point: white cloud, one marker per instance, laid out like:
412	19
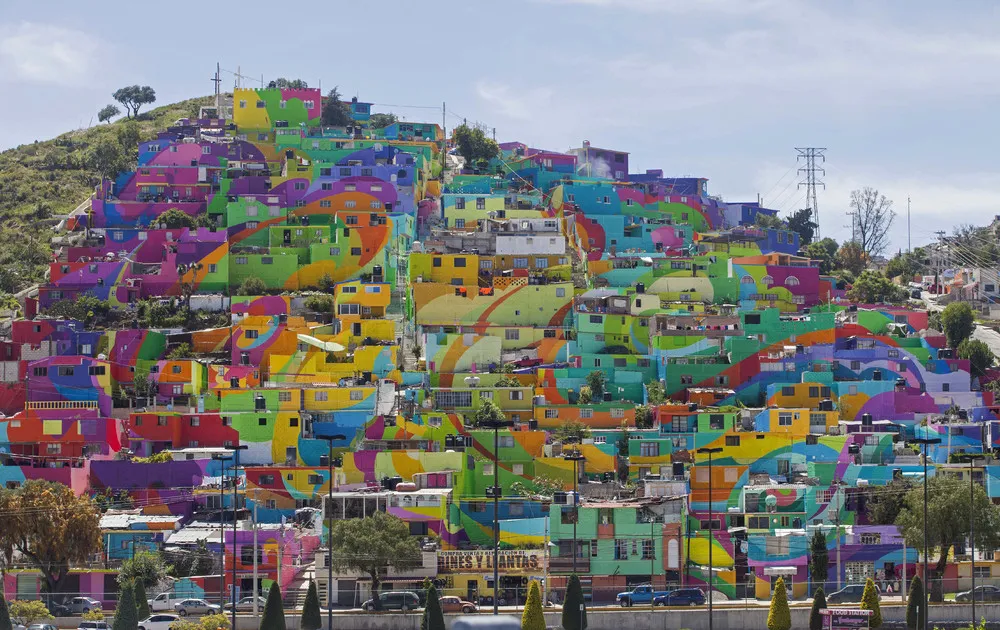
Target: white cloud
45	53
513	103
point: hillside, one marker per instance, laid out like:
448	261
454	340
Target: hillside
42	181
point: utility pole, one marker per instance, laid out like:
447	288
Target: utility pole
217	80
256	618
909	247
811	181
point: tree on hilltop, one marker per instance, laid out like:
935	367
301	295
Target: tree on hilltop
133	97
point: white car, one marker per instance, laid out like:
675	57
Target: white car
158	622
164	601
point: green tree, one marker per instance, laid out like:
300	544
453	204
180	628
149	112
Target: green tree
273	617
958	322
133	97
801	222
915	604
50	527
819	559
381	121
643	417
5	623
474	145
869	601
508	380
287	84
126	617
656	393
768	221
326	283
571	431
433	618
174	219
824	251
978	354
871	287
312	618
885	502
819	603
180	351
904	265
370	545
252	286
108	112
852	258
488	414
574	613
779	617
27	612
533	617
586	396
141	603
948	510
336	113
320	303
597	382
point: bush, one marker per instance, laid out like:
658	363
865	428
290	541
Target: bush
915	604
320	303
96	615
141	603
433	618
572	618
214	622
253	286
869	601
819	603
126	617
779	617
5	623
312	618
26	612
274	613
533	618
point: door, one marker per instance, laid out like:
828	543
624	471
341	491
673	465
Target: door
472	591
291	456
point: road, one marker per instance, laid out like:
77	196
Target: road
982	333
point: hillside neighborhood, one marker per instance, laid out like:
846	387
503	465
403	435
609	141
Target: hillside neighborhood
537	362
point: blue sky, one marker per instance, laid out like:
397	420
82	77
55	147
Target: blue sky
904	95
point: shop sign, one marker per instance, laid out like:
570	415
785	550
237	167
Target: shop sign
509	562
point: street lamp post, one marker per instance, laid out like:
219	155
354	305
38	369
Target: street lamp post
222	459
710	451
495	492
972	533
575	456
927	585
329	530
236	486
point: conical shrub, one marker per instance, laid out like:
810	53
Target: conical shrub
126	616
274	612
779	617
533	618
312	618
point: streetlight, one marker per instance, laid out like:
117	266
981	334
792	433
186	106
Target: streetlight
329	530
705	450
927	586
222	459
236	487
574	455
496	424
972	532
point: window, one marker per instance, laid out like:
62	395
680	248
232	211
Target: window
40	371
518	395
96	370
551	414
161	421
548	333
505	441
512	334
459	262
357	394
870	538
460	203
541	263
732	440
617	412
981	571
648	549
321	396
649	449
253	334
621	549
284	396
355	251
324	203
212	268
262	422
560	292
195	421
520	263
488	468
784	419
480	203
586	413
53	448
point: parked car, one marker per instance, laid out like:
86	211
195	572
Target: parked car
983	594
396	600
93	625
41	626
246	604
642	594
850	593
158	622
80	605
164	601
196	607
452	604
681	597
